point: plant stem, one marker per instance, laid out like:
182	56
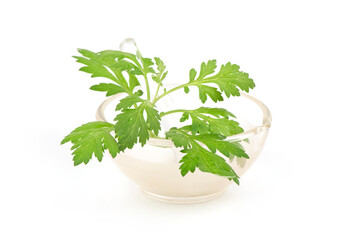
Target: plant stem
157	91
168	92
138	54
172	111
147	87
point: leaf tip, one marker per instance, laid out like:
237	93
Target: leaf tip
236	180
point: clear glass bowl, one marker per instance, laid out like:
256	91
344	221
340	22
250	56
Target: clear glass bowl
155	167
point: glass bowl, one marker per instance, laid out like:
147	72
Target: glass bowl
155	166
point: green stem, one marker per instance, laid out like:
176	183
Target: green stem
147	87
157	91
170	91
142	69
172	111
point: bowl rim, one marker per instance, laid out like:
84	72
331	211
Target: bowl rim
162	142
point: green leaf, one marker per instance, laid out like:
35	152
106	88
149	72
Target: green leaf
147	63
205	91
160	64
164	75
111	65
111	144
159	76
206	69
230	80
186	89
123	65
109	88
95	68
211	120
199	126
216	112
224	126
92	139
197	156
205	161
231	77
133	82
179	139
129	101
118	55
185	116
87	53
152	119
215	143
203	142
192	74
132	126
156	79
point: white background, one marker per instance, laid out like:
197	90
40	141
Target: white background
304	57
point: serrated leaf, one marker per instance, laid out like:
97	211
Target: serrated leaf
224	126
133	82
230	80
199	126
91	139
228	89
123	65
164	75
132	126
153	119
205	161
192	74
212	92
215	143
129	101
111	144
230	77
216	112
197	156
156	79
212	120
147	63
95	68
114	54
180	140
201	141
87	53
109	88
207	69
160	64
111	65
185	116
160	75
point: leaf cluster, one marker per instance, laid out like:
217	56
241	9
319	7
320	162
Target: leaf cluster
229	80
134	124
206	160
211	120
92	139
203	141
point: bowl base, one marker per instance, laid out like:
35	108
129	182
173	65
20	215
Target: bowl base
182	200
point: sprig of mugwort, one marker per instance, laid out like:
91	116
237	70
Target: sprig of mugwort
203	142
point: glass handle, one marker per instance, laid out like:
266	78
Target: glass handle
127	43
